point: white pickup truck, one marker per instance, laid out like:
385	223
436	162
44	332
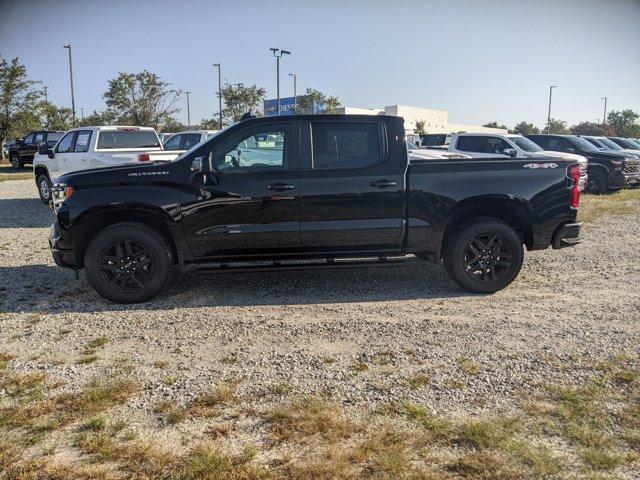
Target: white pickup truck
183	141
95	147
491	145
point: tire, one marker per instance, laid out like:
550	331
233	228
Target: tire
16	161
596	182
128	262
484	270
44	187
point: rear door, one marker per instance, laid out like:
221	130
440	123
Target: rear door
30	148
352	187
249	204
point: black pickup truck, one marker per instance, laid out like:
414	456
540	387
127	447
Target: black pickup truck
22	150
315	191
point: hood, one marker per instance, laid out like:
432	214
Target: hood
563	155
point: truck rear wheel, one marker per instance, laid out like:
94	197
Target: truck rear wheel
128	262
484	256
16	161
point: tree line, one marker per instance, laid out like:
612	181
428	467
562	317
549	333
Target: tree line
142	99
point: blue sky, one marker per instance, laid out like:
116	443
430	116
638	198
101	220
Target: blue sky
480	60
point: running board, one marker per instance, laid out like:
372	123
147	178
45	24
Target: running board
312	264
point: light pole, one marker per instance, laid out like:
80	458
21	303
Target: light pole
73	101
278	53
219	91
188	113
604	115
46	97
295	94
82	113
549	115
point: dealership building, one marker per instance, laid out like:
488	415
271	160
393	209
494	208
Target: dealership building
435	121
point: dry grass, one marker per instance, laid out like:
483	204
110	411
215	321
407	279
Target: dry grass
596	425
622	202
7	172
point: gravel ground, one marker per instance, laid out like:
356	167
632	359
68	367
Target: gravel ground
309	329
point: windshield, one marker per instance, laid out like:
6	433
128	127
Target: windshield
111	139
54	136
632	144
609	144
525	144
583	144
411	145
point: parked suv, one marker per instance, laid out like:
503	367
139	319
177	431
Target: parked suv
23	150
607	170
183	141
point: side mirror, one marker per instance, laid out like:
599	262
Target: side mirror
201	164
50	153
511	152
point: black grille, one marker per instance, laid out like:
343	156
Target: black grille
631	168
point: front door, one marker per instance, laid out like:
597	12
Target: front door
59	164
352	187
249	204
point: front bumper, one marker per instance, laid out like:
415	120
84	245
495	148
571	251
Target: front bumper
63	257
632	179
566	235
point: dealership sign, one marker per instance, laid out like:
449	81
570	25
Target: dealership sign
287	106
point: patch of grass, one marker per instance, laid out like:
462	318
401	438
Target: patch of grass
161	364
592	207
281	388
170	379
86	359
98	343
5	358
589	436
328	360
417	381
172	412
95	424
437	427
469	366
487	433
360	367
304	419
540	458
489	465
382	358
601	458
7	172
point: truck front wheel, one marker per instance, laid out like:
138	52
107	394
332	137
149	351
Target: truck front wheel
484	256
128	262
16	161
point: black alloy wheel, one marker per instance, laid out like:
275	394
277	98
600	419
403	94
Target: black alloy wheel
126	266
487	257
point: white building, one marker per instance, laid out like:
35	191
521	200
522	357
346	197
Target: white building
435	121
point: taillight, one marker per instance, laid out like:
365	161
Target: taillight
574	174
143	157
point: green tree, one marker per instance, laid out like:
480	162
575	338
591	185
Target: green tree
98	118
525	128
420	127
625	123
210	123
142	99
240	99
495	125
172	125
591	128
327	104
556	126
53	117
18	98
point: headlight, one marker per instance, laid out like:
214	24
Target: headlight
61	192
617	163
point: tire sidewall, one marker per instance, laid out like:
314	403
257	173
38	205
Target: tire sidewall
159	252
16	163
600	182
455	256
40	179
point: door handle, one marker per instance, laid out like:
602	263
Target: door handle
383	184
278	187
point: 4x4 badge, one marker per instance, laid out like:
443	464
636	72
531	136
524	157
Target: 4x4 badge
540	165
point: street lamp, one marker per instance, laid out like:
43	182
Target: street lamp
604	115
219	91
278	53
549	115
295	95
188	113
73	101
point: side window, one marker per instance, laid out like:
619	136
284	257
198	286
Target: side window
39	137
190	140
259	149
345	145
173	143
496	145
29	138
66	143
542	142
82	141
472	144
558	144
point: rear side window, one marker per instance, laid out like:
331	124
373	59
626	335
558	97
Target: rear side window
127	139
39	137
191	139
82	141
173	143
558	144
345	145
66	143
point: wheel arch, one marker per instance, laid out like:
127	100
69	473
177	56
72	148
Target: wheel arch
91	223
507	209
